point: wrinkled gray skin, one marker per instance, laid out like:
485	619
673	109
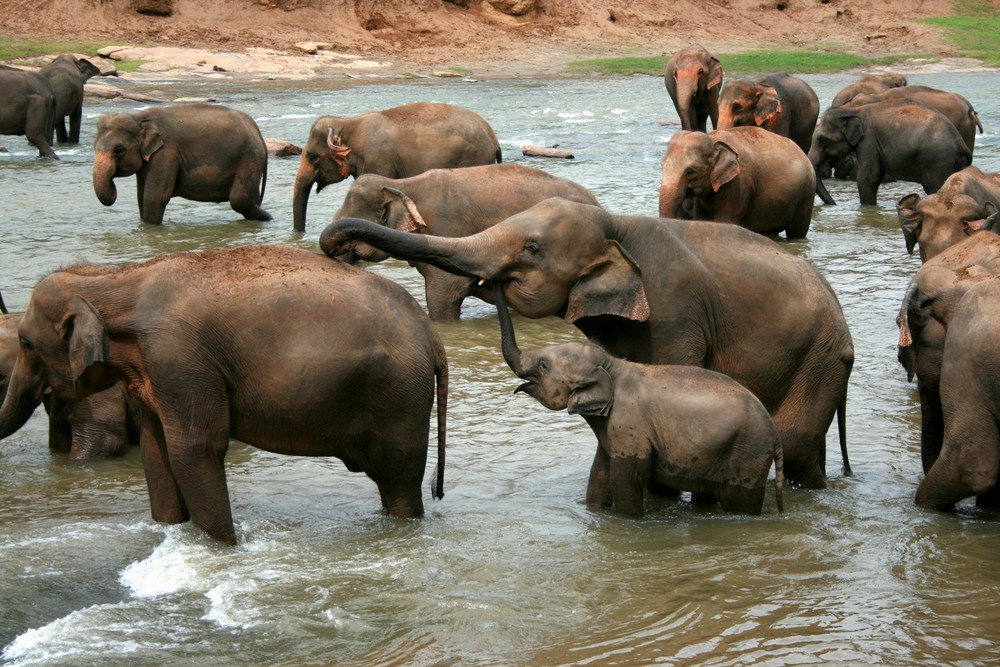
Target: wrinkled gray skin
952	106
969	462
450	202
28	108
902	141
201	152
229	343
693	78
679	427
747	176
967	203
66	76
925	315
868	84
94	427
396	143
663	291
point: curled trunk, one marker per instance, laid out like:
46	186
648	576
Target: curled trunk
508	342
104	178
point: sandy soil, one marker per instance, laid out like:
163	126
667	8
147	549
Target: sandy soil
480	38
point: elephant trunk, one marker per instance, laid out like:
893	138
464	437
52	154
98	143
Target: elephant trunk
671	197
456	255
23	396
304	180
508	342
104	178
687	88
818	160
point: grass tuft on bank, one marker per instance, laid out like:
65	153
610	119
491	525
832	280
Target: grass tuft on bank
748	62
972	30
21	48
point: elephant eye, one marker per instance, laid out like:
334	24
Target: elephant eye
532	247
118	150
25	343
312	157
689	172
543	364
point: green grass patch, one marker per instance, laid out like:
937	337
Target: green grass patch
21	48
973	30
748	62
129	65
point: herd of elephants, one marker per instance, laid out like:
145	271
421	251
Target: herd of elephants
688	379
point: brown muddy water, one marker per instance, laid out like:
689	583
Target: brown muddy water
510	568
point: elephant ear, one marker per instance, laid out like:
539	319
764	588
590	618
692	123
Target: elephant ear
714	76
86	334
767	110
909	219
853	128
339	152
412	221
150	140
612	285
594	395
987	224
725	164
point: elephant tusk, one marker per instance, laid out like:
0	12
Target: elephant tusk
482	281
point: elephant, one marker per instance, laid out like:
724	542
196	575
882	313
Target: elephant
451	202
747	176
868	84
924	318
397	143
680	427
778	102
952	106
28	108
904	141
66	76
201	152
664	291
95	427
966	203
969	460
227	343
693	79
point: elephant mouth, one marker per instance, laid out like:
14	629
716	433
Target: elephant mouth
528	388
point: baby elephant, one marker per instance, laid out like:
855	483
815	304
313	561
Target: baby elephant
680	427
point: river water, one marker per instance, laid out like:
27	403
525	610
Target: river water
510	568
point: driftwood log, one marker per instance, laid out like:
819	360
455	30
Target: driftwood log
542	151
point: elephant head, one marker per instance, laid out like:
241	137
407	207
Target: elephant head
326	158
123	143
61	350
572	376
694	166
555	258
372	198
943	219
835	138
744	102
696	73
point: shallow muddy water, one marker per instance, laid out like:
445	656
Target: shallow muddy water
510	568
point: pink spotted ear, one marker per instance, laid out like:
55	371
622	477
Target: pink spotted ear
339	152
767	110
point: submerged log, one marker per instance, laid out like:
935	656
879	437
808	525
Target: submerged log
542	151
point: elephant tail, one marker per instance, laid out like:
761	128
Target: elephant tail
779	476
441	374
975	117
3	307
842	429
263	182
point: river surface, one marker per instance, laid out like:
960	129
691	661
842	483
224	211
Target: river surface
510	568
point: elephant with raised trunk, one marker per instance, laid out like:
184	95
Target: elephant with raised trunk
66	76
747	176
664	291
678	427
693	79
450	202
201	152
967	203
278	347
396	143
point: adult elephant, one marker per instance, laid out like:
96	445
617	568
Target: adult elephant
868	84
778	102
28	108
95	427
397	143
223	343
967	203
202	152
952	106
693	79
925	315
904	141
667	292
747	176
66	76
969	461
450	202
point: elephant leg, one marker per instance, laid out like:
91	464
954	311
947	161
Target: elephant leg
628	478
165	499
869	180
931	426
396	463
801	219
75	120
704	498
244	196
61	135
599	485
741	499
37	130
155	193
969	462
444	293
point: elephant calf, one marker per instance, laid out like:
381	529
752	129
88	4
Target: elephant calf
679	427
202	152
